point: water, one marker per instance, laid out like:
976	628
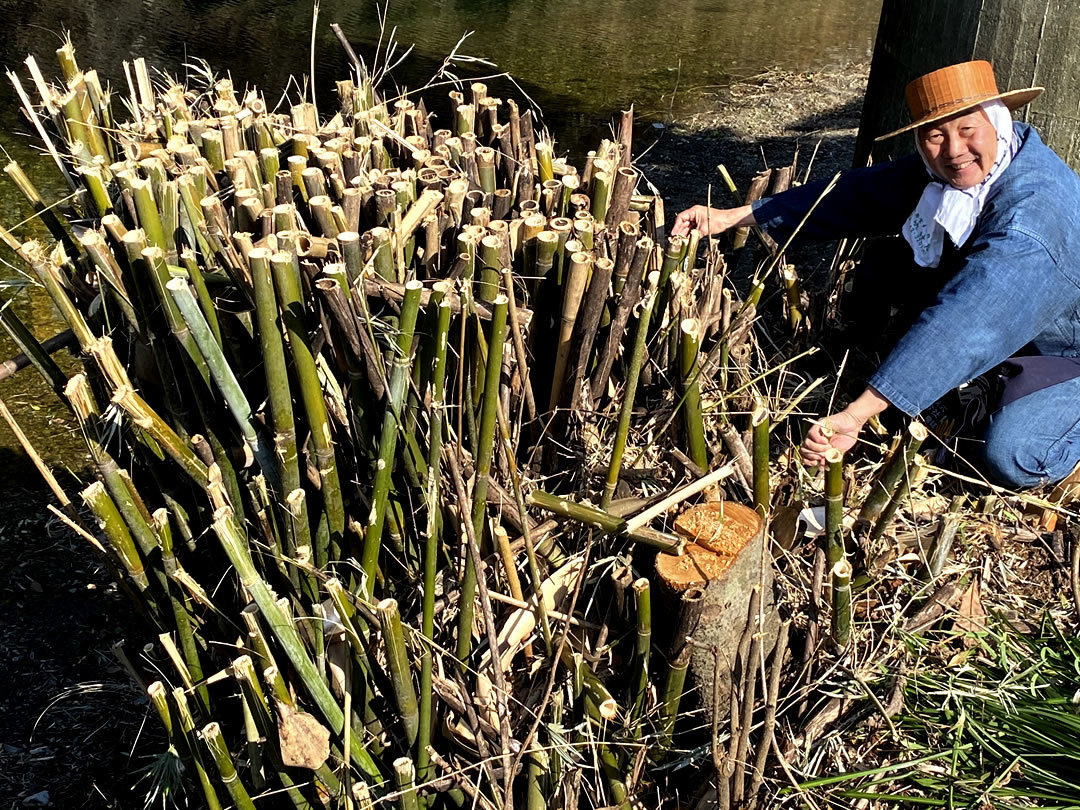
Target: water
580	62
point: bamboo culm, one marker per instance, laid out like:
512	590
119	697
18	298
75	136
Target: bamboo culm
400	374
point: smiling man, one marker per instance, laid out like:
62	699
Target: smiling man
994	215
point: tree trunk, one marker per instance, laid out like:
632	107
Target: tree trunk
1029	43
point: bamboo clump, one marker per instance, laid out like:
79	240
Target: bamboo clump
370	378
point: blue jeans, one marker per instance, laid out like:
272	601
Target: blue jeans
1035	439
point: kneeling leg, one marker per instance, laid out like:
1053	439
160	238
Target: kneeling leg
1035	439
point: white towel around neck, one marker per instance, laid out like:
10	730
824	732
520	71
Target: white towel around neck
944	209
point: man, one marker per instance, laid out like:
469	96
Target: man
995	214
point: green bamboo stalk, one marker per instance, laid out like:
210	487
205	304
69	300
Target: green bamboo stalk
88	115
95	185
223	376
255	702
234	544
606	522
640	681
897	499
30	346
45	213
601	195
181	605
168	200
116	532
211	735
431	545
535	769
354	624
482	462
202	292
759	420
405	778
834	506
884	485
190	199
633	373
382	255
693	420
673	257
573	290
794	302
159	430
78	136
670	697
213	149
841	603
544	154
159	699
154	260
287	282
400	374
487	286
281	694
280	396
109	272
485	167
186	723
397	660
149	217
34	255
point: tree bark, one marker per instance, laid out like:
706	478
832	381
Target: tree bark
1029	43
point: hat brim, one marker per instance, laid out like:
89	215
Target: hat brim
1014	99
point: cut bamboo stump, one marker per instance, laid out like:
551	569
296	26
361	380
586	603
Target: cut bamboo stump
727	558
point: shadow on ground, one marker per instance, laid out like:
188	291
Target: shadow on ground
69	714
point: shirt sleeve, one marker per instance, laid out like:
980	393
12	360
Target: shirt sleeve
873	201
1006	289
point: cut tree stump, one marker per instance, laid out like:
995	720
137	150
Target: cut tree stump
727	558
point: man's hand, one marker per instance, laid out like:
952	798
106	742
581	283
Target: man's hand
712	220
841	430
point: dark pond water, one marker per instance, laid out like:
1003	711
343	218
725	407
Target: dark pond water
579	61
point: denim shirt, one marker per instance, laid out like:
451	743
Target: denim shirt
1015	283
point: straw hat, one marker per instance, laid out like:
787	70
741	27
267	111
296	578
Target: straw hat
956	88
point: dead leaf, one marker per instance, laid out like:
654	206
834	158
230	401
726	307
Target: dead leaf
970	613
305	742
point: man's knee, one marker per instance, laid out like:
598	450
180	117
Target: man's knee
1009	462
1017	454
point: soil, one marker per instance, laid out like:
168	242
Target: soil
70	717
773	119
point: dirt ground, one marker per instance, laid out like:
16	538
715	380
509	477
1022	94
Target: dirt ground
763	122
70	715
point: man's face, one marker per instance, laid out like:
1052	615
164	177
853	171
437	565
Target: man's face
960	149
